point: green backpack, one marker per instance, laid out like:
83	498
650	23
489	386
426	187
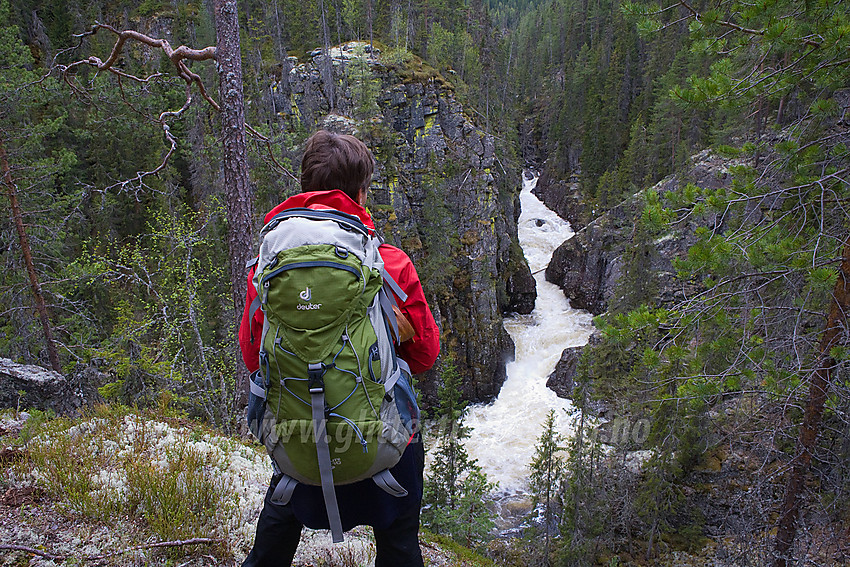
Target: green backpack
331	402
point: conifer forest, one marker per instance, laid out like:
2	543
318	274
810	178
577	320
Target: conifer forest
699	149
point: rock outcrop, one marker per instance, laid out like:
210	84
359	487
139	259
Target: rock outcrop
589	266
563	196
439	193
34	387
562	379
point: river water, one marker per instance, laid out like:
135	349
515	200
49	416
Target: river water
505	431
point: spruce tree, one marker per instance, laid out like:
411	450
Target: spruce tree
547	472
457	491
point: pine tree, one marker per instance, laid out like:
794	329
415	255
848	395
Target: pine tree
581	524
364	86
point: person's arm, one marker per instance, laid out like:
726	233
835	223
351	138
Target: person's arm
250	333
421	351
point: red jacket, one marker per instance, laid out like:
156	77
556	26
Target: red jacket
420	352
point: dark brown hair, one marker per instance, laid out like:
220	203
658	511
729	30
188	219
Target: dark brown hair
336	161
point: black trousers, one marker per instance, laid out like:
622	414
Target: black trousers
397	544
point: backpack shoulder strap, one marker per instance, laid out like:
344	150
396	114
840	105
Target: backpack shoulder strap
388	279
387	300
255	304
320	434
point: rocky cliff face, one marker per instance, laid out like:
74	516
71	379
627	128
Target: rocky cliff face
589	266
563	196
439	193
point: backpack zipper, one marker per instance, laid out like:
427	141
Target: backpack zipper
314	264
344	220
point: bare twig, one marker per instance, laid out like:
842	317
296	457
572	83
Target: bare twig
178	57
268	143
34	551
177	543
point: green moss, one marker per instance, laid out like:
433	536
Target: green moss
688	538
430	120
412	69
712	460
462	281
392	187
463	556
411	244
469	238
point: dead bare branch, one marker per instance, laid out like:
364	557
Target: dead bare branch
159	544
268	143
34	551
178	543
178	57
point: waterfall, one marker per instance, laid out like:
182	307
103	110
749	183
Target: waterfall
505	431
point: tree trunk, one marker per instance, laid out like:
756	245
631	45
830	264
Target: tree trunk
282	55
369	23
818	387
240	211
12	192
327	64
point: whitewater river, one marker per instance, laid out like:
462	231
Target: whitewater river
505	431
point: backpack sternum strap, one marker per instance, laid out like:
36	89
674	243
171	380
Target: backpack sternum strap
315	372
320	432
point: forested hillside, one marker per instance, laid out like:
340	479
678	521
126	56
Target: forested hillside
722	289
700	150
121	192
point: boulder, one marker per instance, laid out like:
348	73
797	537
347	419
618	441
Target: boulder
562	379
25	386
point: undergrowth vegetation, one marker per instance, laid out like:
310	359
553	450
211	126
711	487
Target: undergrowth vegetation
175	479
120	486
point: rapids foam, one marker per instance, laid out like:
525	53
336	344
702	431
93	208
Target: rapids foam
505	431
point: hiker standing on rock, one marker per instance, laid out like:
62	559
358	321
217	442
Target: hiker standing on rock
336	171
